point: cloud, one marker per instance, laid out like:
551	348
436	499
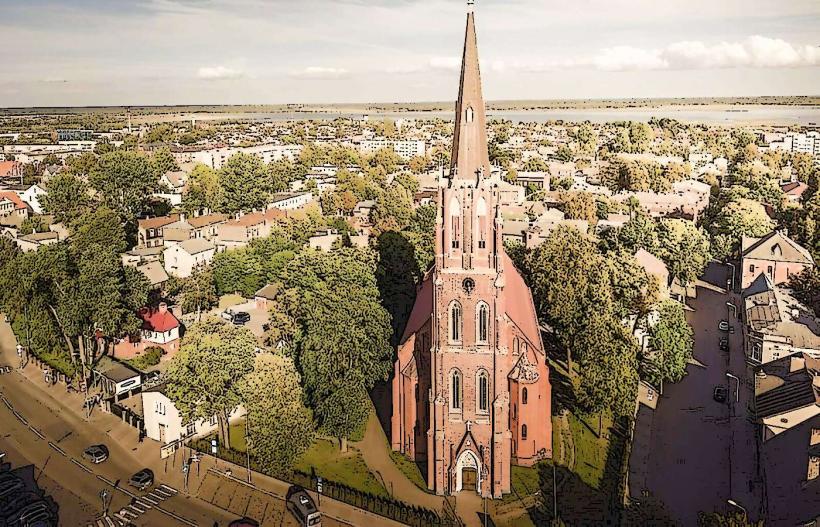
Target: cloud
215	73
445	63
320	73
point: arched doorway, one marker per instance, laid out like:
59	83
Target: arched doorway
468	472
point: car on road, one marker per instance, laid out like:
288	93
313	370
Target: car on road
96	453
142	479
244	522
724	344
724	325
720	394
241	318
301	506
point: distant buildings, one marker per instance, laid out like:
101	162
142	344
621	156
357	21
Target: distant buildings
404	149
217	157
806	143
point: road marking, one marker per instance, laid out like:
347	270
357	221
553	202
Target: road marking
58	449
166	488
149	500
136	507
156	495
128	514
122	516
20	417
37	432
104	479
164	494
81	465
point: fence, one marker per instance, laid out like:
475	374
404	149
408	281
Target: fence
128	417
383	506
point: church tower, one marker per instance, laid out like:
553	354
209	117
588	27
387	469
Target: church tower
471	391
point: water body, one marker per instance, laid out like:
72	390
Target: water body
728	115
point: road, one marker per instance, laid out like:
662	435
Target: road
702	453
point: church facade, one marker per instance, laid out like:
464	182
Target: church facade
471	389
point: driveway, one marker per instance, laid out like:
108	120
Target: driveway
701	453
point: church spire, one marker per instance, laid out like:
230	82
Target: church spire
470	138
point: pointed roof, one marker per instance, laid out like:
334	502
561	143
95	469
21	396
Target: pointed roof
470	139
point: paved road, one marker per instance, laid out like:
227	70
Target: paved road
701	452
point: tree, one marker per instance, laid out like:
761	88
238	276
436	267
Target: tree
732	519
580	206
244	182
204	191
744	217
279	427
393	211
33	224
237	271
564	153
634	291
199	292
671	345
163	162
124	181
67	197
684	248
205	377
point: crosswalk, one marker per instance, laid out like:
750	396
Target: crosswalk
139	505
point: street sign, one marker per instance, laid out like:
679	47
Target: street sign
213	446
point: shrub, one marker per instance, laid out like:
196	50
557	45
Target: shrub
150	357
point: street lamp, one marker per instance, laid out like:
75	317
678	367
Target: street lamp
733	503
734	308
737	385
732	278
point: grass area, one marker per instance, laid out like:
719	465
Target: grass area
590	450
409	469
349	468
150	357
524	482
226	301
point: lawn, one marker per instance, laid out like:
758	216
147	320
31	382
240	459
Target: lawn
590	450
524	482
349	468
409	469
230	300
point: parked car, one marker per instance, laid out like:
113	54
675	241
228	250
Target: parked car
244	522
37	514
301	505
241	318
720	393
724	344
142	479
96	453
227	315
724	325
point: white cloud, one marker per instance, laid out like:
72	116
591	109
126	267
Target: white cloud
320	73
213	73
445	63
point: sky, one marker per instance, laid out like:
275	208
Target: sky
141	52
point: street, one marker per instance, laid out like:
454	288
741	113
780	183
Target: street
702	453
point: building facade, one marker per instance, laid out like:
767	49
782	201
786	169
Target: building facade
776	255
471	389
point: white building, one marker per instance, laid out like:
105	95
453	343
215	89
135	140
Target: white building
217	157
163	422
405	149
290	200
806	143
182	258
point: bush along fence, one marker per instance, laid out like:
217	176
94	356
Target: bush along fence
383	506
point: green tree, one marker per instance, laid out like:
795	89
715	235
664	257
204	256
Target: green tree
124	181
204	191
280	428
205	377
67	197
580	206
199	292
671	341
684	248
244	181
237	271
744	217
163	162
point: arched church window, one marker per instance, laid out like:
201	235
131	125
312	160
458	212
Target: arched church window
455	322
455	390
777	250
524	396
523	431
483	391
455	223
483	323
481	217
469	114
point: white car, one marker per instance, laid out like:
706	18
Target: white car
723	326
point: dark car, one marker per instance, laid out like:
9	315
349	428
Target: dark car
244	522
720	393
37	514
142	479
241	318
724	344
301	505
96	453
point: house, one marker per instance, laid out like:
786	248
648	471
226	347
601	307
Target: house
177	231
290	200
182	258
775	254
265	296
794	190
116	379
142	255
654	266
150	230
363	209
160	328
777	324
787	408
12	205
30	194
164	423
35	240
206	225
174	187
240	231
155	273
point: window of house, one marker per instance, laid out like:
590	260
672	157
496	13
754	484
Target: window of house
190	429
455	322
752	268
483	326
524	396
483	384
212	420
455	390
523	431
769	270
160	408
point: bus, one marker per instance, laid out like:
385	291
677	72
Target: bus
301	505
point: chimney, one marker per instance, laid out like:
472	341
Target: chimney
163	308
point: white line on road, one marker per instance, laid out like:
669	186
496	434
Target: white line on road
137	508
164	494
20	417
149	500
166	488
37	432
58	449
81	465
104	479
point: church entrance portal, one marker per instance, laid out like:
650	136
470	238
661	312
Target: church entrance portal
468	469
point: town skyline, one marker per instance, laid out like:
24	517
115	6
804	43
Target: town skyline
168	52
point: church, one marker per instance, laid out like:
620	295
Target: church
471	389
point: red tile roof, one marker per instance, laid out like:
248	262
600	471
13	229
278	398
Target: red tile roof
14	198
158	320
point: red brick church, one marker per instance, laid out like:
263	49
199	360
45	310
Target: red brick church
471	391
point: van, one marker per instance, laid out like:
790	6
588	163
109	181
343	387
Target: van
301	505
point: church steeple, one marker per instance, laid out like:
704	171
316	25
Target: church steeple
470	140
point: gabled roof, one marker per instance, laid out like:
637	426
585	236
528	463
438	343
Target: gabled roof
794	188
196	245
154	272
12	196
766	248
157	222
788	384
207	219
248	220
268	292
158	320
519	303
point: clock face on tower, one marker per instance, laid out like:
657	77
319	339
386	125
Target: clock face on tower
468	284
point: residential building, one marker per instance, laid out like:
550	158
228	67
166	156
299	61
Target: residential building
787	407
160	328
30	194
240	231
216	158
290	200
155	273
776	324
150	230
404	149
12	205
174	187
11	170
35	240
794	190
776	255
207	225
116	379
164	423
265	296
471	390
182	258
654	266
